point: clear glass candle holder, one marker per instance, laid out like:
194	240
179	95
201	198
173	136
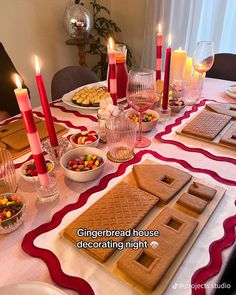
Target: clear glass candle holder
47	193
55	153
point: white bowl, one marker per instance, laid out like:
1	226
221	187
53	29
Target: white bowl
32	178
146	126
82	176
76	145
176	109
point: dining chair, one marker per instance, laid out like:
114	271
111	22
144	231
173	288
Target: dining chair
70	78
228	276
224	67
8	101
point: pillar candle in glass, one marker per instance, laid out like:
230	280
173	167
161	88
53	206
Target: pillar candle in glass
31	132
188	68
45	105
158	53
167	75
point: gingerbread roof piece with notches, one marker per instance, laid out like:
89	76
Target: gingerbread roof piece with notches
162	181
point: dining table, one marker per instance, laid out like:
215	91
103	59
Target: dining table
37	252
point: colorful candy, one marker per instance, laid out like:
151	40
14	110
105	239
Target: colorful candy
85	137
146	117
31	171
85	163
10	205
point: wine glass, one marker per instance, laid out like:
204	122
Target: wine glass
203	57
141	95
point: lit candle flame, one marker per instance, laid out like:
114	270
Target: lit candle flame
37	67
110	44
169	40
180	48
18	82
159	28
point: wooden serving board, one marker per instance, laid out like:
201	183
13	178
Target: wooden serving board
14	139
215	141
111	264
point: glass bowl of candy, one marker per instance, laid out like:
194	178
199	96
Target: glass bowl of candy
12	209
83	164
84	138
28	170
149	120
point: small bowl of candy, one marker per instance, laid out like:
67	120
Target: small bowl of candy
149	120
176	105
83	164
28	170
12	209
84	138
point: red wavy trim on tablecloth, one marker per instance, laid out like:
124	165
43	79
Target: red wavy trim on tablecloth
76	113
67	123
10	120
51	260
177	122
215	262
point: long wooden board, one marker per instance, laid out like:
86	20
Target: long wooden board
215	141
13	132
111	264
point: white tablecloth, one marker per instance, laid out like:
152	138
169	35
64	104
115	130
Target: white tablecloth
18	266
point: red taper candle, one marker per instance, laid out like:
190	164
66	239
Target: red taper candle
45	105
158	53
167	76
31	132
112	71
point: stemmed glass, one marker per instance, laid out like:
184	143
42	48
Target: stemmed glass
141	95
203	57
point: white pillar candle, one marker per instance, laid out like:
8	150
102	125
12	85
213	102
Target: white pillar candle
178	61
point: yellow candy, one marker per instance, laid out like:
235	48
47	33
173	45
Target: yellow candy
4	201
8	214
9	203
85	163
96	163
49	166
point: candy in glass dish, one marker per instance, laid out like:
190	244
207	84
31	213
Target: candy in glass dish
12	209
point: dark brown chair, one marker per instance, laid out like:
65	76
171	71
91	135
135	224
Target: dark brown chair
70	78
224	67
8	101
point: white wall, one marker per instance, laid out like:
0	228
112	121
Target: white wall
29	27
130	17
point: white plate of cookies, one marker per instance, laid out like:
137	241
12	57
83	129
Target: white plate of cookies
87	97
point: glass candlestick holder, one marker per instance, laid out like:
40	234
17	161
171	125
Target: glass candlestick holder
164	113
55	153
47	193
